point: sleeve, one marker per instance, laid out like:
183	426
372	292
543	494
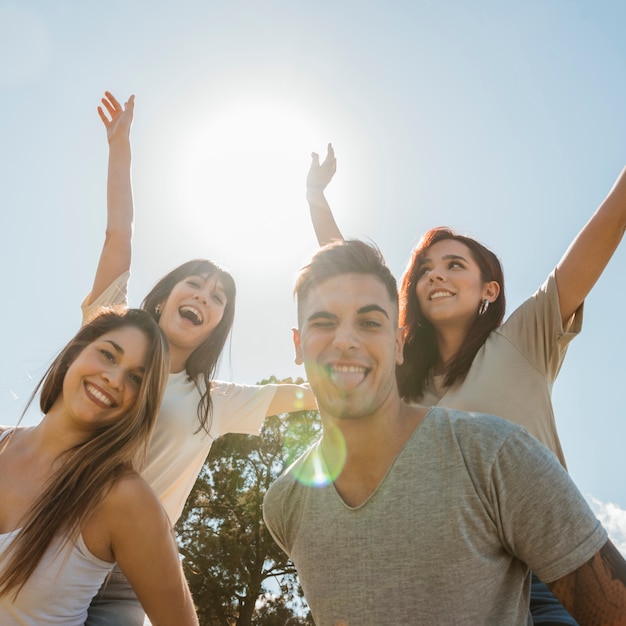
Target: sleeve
115	294
273	514
542	517
240	408
537	331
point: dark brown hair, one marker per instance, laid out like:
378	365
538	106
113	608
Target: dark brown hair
203	361
420	346
349	256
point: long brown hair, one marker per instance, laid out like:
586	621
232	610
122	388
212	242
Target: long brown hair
203	361
88	469
420	346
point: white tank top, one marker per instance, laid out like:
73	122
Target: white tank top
60	589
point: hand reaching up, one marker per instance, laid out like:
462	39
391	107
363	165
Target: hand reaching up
116	119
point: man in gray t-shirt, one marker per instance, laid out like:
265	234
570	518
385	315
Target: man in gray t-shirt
404	515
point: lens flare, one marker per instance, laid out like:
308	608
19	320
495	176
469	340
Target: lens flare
318	470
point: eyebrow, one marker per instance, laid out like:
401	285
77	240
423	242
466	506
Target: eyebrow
446	257
120	350
115	345
369	308
205	278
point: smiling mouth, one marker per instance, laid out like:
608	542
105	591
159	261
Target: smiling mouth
347	377
192	314
99	396
440	294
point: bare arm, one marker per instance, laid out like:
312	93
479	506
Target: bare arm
116	251
289	398
143	545
595	593
585	259
319	176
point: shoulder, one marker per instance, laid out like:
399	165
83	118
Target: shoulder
480	437
130	500
471	423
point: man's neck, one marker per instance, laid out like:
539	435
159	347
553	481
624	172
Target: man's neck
362	450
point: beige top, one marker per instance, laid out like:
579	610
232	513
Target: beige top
513	372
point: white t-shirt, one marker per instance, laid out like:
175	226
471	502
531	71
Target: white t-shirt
178	449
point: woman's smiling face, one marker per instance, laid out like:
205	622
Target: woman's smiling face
192	311
103	382
450	286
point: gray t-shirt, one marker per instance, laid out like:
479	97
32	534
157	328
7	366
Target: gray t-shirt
469	505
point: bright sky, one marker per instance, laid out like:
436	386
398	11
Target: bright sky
504	120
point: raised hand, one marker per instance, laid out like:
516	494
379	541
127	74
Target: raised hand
321	174
116	119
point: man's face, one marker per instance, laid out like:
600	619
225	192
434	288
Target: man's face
350	344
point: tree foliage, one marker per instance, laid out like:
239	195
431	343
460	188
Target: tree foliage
237	574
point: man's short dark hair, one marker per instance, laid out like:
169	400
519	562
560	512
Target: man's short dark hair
350	256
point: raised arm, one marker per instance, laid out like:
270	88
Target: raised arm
595	593
319	176
143	545
116	251
591	250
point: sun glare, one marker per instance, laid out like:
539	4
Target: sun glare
248	163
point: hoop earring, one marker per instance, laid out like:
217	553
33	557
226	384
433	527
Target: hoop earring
482	309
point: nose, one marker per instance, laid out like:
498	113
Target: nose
114	377
200	296
434	275
346	338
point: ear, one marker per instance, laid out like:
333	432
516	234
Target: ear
296	344
400	335
491	290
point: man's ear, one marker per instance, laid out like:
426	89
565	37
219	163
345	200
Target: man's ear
400	336
296	344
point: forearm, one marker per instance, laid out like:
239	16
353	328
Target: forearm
326	229
595	593
119	188
589	253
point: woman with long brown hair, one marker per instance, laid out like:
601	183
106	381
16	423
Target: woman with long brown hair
71	501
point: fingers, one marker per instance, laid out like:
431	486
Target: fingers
103	117
315	159
114	108
112	99
330	162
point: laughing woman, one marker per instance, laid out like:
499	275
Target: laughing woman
194	306
71	501
458	353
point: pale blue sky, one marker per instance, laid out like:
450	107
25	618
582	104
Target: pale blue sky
504	120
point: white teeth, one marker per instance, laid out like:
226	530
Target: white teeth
99	395
194	312
440	294
350	369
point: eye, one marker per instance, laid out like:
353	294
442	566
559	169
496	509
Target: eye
108	355
136	379
421	271
455	264
218	299
192	282
371	324
322	324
